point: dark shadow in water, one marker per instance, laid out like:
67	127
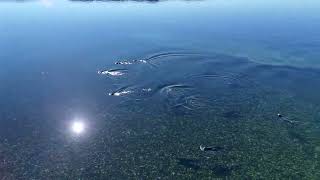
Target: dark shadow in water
219	170
298	137
233	114
222	170
189	163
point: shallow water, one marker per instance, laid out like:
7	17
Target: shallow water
131	90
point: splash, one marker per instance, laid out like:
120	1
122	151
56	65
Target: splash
113	72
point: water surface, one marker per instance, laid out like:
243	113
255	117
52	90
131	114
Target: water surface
132	89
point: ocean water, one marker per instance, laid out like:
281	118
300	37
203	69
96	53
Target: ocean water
209	89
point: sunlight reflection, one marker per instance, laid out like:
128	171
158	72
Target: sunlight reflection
78	127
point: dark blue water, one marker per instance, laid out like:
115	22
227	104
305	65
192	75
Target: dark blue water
133	89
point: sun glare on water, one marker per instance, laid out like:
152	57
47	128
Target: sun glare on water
77	127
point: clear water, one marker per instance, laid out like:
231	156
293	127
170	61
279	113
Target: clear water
131	90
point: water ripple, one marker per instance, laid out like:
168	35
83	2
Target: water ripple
197	81
168	54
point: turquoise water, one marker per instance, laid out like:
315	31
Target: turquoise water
133	89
